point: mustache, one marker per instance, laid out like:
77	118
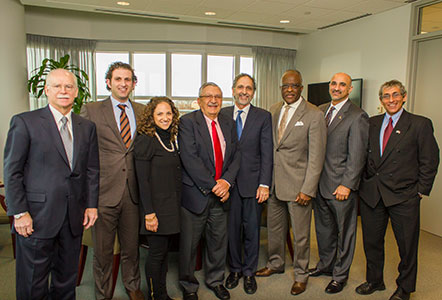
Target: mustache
62	97
212	104
336	91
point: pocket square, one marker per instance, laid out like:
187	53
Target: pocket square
299	123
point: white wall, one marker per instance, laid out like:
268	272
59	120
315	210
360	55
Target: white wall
74	24
374	48
13	71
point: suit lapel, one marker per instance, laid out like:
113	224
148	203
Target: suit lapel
108	114
227	133
339	116
76	133
275	119
399	131
250	121
295	118
48	123
204	132
374	138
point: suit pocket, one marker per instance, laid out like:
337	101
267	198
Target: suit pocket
36	197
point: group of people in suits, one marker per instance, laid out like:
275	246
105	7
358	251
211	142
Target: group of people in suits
126	169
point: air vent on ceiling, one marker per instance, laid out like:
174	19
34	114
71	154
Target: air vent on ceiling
345	21
250	25
129	13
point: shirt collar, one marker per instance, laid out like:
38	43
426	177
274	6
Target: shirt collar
339	105
245	109
58	115
294	104
115	103
209	121
394	117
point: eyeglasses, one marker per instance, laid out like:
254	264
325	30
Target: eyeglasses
394	96
293	86
67	87
217	97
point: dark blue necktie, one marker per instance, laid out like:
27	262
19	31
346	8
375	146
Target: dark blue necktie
239	123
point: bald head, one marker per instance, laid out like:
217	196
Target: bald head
340	87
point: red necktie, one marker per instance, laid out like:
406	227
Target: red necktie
387	133
218	152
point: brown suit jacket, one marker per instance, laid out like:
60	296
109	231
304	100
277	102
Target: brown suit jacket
116	162
299	156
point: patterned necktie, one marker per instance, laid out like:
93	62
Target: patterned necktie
329	115
218	152
67	139
239	124
283	123
124	126
387	133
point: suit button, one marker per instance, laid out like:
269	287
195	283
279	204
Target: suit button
391	175
124	170
277	150
377	174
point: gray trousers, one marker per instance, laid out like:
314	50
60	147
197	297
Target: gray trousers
335	223
278	214
212	224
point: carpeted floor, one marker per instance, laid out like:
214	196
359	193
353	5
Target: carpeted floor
429	285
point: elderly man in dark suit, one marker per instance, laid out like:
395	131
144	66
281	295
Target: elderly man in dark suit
115	118
402	163
299	139
51	179
335	206
254	128
210	158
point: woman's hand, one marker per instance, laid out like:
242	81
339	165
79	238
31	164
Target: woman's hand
151	222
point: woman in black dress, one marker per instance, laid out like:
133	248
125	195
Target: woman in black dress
159	179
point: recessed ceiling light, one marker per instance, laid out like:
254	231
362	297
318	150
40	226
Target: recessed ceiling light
210	13
123	3
284	21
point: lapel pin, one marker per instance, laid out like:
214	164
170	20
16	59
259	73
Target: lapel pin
398	131
340	117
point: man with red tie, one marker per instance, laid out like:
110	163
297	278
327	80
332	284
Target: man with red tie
208	149
403	157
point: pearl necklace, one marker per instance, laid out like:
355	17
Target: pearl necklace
164	146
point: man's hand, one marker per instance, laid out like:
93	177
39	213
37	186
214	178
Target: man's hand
221	188
262	194
90	216
23	225
226	197
151	222
341	193
303	199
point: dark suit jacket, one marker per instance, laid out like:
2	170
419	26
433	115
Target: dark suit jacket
38	178
196	153
116	162
408	165
346	151
256	144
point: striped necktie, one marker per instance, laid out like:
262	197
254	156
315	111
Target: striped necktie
124	126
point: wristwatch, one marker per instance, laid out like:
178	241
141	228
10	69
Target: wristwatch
18	216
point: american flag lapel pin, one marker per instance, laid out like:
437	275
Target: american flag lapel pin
398	132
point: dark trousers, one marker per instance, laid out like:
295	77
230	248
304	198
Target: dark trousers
37	258
335	223
156	266
212	224
243	229
405	219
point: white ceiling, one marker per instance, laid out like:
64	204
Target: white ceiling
304	15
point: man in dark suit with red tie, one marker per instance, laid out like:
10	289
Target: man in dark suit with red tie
403	158
51	174
208	149
254	128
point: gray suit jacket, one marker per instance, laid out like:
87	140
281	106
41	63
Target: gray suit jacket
347	140
116	162
299	156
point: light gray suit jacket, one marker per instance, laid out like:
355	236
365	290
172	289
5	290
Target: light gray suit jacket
116	162
347	140
299	156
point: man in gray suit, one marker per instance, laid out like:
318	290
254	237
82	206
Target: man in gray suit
299	138
115	118
335	205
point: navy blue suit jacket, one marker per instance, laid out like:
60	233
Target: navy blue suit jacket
196	152
256	144
37	175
